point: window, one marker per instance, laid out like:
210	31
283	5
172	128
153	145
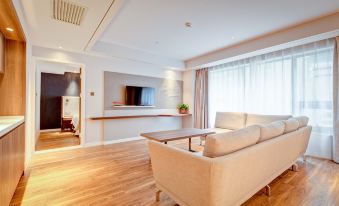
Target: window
295	81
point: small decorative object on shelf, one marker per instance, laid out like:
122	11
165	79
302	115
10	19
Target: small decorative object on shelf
183	108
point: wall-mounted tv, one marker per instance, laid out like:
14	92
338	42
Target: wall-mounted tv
140	96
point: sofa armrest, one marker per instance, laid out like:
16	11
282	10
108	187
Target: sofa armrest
182	174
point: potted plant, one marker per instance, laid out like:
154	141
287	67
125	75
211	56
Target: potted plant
183	108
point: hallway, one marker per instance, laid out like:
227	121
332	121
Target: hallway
54	140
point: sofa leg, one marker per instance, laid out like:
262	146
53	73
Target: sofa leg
295	167
268	190
157	195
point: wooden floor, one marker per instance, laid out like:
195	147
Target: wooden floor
53	140
120	174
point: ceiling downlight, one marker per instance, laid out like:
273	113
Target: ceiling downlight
68	12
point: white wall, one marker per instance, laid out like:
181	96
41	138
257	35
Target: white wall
115	130
30	102
94	67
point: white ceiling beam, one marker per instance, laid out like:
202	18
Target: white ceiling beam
110	14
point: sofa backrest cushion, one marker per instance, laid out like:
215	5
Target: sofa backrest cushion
271	130
264	119
230	120
291	125
224	143
303	121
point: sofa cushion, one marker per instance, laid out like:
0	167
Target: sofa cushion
303	121
291	125
230	120
224	143
221	130
264	119
274	129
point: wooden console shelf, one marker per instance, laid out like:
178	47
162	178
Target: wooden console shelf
140	116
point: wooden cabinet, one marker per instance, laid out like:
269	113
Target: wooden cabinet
12	162
12	100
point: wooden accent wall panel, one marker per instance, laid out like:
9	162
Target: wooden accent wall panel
12	161
9	18
2	53
13	81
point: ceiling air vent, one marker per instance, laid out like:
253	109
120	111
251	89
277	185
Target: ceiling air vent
67	11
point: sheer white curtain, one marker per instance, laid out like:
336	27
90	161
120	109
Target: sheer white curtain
336	101
294	81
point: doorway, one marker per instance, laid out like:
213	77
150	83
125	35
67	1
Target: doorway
58	105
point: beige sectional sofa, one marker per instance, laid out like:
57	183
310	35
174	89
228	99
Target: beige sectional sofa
235	164
228	121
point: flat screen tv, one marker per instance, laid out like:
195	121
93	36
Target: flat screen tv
140	96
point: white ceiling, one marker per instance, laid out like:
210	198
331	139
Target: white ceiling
153	31
157	26
47	32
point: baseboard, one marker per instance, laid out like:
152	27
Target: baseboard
123	140
93	144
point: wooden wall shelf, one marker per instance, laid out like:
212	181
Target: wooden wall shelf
140	116
131	106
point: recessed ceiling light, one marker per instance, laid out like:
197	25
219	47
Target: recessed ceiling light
9	29
188	24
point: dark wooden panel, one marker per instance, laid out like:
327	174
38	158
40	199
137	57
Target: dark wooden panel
53	86
12	160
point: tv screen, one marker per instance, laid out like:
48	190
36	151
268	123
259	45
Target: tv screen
140	96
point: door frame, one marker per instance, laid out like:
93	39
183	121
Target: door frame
82	134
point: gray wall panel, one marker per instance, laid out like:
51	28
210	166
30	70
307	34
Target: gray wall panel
168	93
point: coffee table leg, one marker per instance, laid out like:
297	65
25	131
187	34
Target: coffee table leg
190	145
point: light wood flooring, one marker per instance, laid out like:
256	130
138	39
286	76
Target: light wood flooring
53	140
120	174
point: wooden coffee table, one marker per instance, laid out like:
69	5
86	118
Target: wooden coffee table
172	135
